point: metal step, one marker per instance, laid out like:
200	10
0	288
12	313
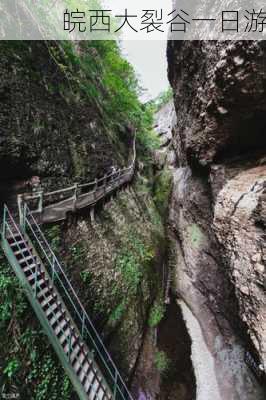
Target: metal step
63	332
15	238
48	299
100	394
51	309
63	336
76	352
22	251
40	280
86	374
58	315
44	292
79	362
28	268
18	243
61	326
91	387
66	346
26	259
32	278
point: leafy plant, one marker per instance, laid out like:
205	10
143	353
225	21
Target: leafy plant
116	94
11	368
156	314
32	370
131	271
132	261
51	384
118	312
53	235
12	298
162	190
162	361
78	252
163	98
86	276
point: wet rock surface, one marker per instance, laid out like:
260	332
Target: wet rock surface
55	132
217	210
48	126
218	100
163	126
178	382
243	239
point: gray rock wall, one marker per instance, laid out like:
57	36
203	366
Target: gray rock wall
217	221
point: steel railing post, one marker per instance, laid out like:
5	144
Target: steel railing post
4	223
53	269
40	205
36	276
104	183
69	343
115	384
87	329
20	209
83	326
75	195
95	188
22	206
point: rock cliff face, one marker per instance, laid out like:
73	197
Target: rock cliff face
53	126
217	210
220	92
164	121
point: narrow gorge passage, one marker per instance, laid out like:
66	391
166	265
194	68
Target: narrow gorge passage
219	296
178	382
166	257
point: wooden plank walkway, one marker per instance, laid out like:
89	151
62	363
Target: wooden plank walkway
54	206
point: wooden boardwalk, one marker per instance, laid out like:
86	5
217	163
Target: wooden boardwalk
54	206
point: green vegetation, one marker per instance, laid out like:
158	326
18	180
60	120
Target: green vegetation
196	235
162	189
86	276
147	139
118	312
28	364
162	362
163	99
11	368
51	383
78	251
94	74
156	314
117	90
53	236
97	73
12	299
132	261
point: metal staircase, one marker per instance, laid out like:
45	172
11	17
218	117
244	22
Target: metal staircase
61	314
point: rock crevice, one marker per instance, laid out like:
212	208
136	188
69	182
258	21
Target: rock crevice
216	217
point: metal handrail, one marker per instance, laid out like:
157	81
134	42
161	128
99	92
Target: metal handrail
116	175
107	186
22	246
86	324
57	274
60	191
80	186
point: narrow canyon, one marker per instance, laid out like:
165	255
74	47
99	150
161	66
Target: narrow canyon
170	263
